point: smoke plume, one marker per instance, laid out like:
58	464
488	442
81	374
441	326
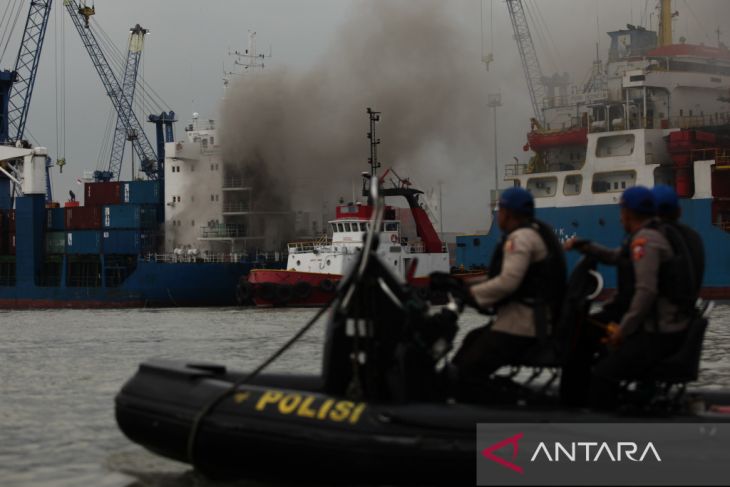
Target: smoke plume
302	132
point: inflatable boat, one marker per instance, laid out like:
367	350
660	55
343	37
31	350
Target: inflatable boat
382	411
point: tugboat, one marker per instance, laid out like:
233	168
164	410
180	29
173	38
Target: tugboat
379	412
315	268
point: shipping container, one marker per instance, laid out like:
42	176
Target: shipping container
56	219
129	217
83	218
126	242
83	242
55	242
141	192
100	194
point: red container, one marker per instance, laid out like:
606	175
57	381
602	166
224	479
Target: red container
83	218
100	194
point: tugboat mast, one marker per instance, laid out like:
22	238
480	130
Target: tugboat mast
374	143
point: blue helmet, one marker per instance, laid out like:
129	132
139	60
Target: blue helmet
517	200
639	199
666	199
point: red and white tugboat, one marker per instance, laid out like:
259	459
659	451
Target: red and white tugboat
315	268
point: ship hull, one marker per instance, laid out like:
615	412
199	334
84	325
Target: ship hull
271	287
268	287
152	284
600	223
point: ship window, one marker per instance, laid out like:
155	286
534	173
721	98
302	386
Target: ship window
391	227
615	145
542	187
347	227
192	223
363	226
477	242
572	185
340	228
611	182
212	140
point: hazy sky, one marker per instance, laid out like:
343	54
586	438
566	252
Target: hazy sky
189	42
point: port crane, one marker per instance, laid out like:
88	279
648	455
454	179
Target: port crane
150	163
129	84
16	90
528	55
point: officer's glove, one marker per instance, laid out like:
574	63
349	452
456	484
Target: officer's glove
443	282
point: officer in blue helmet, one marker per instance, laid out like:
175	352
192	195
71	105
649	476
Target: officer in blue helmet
669	212
525	289
651	325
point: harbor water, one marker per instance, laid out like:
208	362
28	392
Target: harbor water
60	371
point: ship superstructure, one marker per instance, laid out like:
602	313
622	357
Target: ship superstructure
211	206
656	113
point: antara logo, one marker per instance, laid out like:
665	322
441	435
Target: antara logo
577	451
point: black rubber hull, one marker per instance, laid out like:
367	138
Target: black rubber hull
281	428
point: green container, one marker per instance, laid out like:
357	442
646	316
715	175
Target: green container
55	242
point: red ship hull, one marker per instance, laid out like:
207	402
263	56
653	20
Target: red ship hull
270	287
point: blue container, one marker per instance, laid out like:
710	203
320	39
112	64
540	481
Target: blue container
131	217
56	219
126	242
83	242
141	192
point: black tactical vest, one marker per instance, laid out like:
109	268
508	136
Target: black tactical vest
543	286
677	280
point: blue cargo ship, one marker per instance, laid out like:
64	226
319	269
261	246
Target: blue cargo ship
116	265
655	113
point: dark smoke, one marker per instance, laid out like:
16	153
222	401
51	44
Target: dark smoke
414	61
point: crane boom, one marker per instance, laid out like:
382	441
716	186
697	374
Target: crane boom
528	54
129	83
141	145
26	67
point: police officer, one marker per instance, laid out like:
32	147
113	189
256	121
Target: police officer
669	211
525	288
653	327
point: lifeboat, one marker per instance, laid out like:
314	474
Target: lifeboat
540	140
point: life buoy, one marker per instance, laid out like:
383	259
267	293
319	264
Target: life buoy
327	285
283	293
394	238
302	290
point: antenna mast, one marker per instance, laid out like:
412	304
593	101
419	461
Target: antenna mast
374	143
249	59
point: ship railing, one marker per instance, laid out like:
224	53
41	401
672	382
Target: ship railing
511	170
720	156
703	120
236	207
234	183
187	257
223	231
308	245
